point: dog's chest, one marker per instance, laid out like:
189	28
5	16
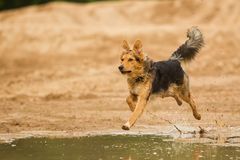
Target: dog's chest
135	89
136	86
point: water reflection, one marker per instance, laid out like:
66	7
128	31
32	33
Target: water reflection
113	147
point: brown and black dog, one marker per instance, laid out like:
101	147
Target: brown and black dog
165	78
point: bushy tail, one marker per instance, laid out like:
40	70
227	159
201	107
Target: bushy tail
188	50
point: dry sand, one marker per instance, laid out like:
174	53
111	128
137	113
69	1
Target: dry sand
58	66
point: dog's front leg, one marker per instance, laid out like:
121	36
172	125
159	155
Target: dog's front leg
131	101
141	104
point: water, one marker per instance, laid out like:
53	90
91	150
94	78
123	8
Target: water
126	147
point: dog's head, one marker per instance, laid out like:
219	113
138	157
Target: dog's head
132	60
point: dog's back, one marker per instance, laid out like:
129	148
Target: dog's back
166	73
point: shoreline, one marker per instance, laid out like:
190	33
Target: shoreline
228	137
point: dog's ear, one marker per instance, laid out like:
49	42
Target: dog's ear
125	45
137	46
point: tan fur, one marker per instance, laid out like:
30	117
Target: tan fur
134	65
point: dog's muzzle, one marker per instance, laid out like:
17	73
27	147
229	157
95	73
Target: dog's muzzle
121	69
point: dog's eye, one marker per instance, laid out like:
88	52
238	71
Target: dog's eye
122	59
130	59
137	59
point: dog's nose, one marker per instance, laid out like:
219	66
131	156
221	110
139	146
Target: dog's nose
120	67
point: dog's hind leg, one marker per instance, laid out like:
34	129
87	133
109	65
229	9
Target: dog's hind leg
186	96
175	96
132	101
179	102
190	101
173	92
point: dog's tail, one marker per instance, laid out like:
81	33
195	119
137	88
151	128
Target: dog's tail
187	51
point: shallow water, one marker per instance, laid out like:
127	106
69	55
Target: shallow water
127	147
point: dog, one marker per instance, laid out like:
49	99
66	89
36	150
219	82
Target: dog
146	77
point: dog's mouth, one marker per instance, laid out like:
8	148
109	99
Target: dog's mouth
125	72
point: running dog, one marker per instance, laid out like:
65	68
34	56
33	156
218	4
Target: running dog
165	78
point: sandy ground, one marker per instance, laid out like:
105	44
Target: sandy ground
58	66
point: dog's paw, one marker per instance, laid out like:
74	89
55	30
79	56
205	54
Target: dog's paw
124	127
197	116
